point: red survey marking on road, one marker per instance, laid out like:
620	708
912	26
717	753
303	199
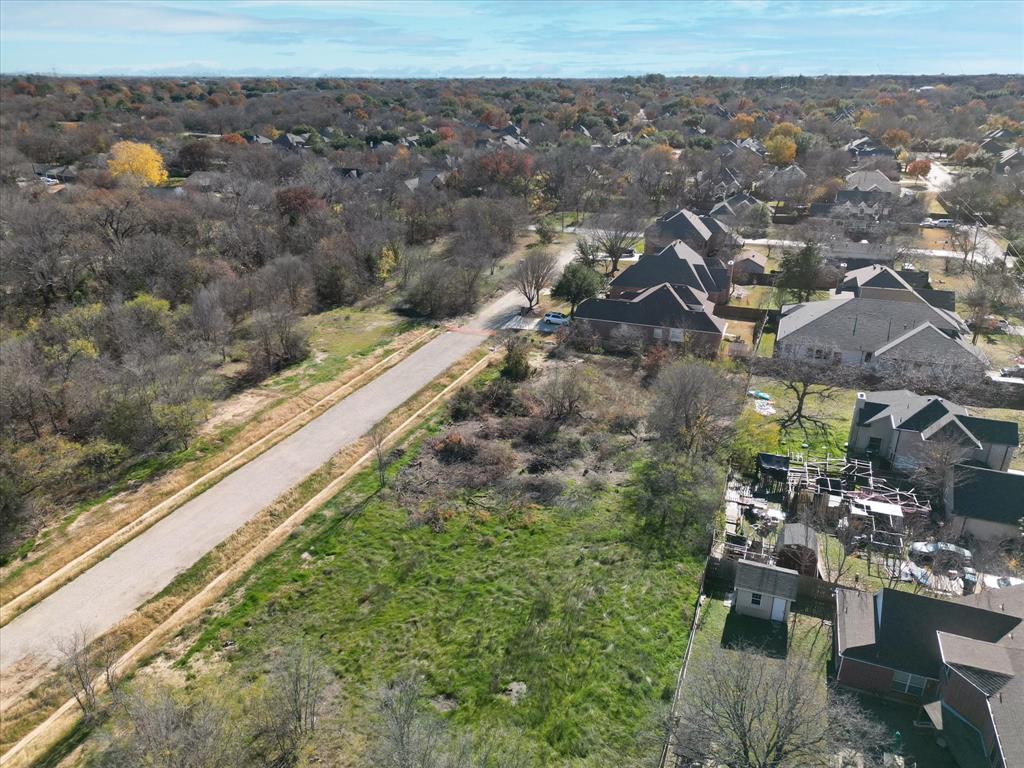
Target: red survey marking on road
467	329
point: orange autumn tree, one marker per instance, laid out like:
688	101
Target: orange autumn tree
896	137
137	162
919	167
742	125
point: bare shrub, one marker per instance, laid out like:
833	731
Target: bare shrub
455	447
170	731
564	393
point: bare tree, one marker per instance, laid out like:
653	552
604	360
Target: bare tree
935	470
615	230
405	737
807	382
81	666
694	407
748	711
964	242
533	274
210	320
378	436
287	712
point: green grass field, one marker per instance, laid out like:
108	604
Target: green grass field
579	606
336	337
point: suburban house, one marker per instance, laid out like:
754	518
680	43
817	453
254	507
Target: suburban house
661	313
963	660
64	174
872	181
997	141
880	276
896	426
747	265
703	234
678	265
725	181
428	177
866	147
292	141
980	710
886	642
764	591
984	502
787	184
883	327
736	206
1010	161
855	205
796	548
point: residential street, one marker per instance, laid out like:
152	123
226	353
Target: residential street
109	591
988	251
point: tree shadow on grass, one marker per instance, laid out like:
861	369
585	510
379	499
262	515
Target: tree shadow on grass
770	638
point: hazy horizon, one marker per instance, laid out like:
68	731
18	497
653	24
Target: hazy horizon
525	39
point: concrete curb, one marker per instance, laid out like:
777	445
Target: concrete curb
47	734
70	570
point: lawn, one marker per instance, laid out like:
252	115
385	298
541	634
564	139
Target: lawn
756	296
1001	349
858	574
582	609
335	337
835	410
719	626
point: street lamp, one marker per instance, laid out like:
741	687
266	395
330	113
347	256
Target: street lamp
842	274
731	263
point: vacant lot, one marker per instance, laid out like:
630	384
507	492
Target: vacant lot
516	572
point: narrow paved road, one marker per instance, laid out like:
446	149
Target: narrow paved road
109	591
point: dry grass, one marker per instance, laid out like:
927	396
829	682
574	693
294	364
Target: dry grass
97	524
41	695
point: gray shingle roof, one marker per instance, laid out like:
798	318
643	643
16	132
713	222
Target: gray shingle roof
797	534
659	306
683	225
987	494
867	323
766	579
676	264
906	637
924	413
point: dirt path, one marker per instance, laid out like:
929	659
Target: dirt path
112	589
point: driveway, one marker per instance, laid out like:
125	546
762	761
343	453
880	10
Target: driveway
112	589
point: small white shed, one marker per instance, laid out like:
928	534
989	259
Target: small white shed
765	591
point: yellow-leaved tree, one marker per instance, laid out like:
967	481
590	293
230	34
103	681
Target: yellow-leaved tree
781	150
137	161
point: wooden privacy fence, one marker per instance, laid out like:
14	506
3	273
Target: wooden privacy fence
812	592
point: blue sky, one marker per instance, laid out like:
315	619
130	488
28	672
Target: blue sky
465	38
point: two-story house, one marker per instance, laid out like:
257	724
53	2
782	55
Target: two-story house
896	426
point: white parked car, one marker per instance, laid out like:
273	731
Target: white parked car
928	551
940	223
556	318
